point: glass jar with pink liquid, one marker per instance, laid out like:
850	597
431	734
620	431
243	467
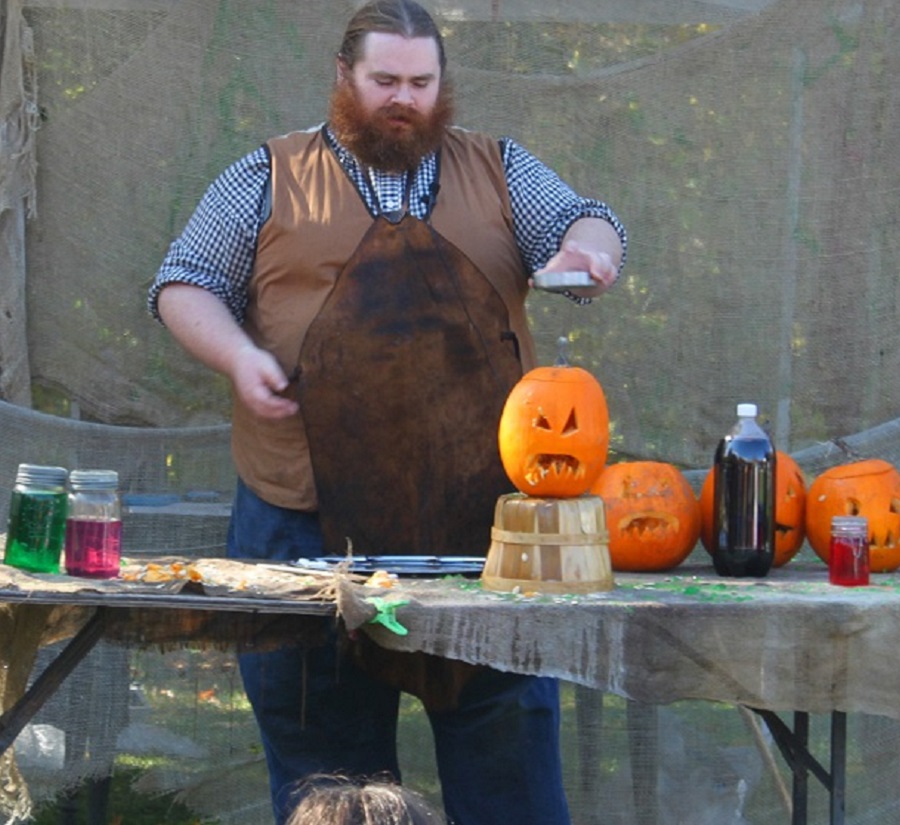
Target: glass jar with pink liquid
93	546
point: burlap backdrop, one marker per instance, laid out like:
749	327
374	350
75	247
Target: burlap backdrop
749	146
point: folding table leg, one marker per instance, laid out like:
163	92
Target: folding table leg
794	747
800	794
589	724
838	766
643	746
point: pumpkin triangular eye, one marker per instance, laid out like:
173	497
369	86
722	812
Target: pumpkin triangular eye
541	423
571	424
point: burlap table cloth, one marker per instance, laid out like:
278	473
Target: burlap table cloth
789	642
164	608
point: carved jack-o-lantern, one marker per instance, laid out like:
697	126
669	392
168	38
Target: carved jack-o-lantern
869	488
554	432
790	509
652	515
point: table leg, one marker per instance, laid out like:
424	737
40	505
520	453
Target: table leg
794	747
20	714
838	766
800	796
589	724
643	747
68	807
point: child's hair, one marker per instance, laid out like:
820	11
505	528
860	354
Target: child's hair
342	800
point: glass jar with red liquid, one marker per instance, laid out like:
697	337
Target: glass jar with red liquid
94	524
848	555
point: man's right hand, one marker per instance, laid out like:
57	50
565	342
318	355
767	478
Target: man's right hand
202	324
259	382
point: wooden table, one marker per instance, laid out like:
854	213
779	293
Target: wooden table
790	643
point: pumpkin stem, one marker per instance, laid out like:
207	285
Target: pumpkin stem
562	345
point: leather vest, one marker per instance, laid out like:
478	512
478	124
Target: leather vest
318	220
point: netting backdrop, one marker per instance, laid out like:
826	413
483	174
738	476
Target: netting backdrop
749	146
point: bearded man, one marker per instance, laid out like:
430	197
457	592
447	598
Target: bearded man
362	285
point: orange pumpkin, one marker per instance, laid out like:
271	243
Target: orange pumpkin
554	432
869	488
790	509
652	515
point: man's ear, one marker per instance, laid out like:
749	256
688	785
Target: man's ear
342	70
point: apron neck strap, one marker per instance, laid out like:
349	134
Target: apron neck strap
396	215
390	215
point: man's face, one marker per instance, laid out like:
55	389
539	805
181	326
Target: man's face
389	108
397	74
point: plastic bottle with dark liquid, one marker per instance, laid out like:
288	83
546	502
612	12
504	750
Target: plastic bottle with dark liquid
744	499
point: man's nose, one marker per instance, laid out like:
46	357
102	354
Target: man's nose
404	94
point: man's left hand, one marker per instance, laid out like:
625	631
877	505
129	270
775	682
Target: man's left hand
591	245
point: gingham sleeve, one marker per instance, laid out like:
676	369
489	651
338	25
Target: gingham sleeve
544	207
216	250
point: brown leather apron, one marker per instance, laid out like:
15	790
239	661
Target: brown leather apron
402	380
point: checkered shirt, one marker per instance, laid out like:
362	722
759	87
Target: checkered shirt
217	247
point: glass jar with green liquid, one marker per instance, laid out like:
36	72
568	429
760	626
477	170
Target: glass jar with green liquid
36	530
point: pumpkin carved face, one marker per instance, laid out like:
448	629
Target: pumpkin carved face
790	509
554	432
652	515
869	488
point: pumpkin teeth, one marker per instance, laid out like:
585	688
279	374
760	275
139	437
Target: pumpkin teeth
557	463
642	524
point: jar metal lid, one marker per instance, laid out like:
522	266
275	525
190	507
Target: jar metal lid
39	475
93	479
858	522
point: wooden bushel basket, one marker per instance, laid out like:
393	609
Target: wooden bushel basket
548	545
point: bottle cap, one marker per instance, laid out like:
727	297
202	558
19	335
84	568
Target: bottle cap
746	410
93	479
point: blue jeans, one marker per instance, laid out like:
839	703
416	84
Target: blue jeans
497	752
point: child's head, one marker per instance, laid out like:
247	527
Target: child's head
339	800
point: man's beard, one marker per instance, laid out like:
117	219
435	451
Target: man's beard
379	143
